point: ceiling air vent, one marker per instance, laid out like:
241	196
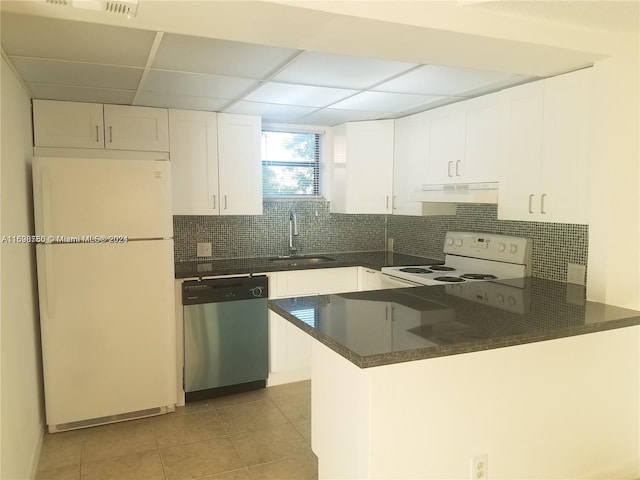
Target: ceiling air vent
122	7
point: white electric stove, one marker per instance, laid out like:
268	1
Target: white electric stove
473	257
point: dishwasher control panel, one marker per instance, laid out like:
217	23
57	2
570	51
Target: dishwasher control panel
225	289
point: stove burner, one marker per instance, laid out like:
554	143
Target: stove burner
415	270
449	279
441	268
478	276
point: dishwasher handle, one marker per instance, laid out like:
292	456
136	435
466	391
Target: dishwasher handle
228	289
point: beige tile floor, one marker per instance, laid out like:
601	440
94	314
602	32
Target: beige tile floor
264	434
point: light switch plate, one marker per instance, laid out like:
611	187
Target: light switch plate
203	249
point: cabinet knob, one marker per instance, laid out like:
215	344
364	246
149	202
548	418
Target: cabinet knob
542	203
449	166
457	168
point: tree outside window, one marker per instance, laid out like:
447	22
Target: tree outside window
290	163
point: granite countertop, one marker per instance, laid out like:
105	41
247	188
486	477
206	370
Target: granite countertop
240	266
383	327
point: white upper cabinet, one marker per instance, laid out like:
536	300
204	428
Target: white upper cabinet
98	126
410	156
67	124
441	140
194	162
464	141
240	164
136	128
409	162
545	173
482	126
362	169
216	164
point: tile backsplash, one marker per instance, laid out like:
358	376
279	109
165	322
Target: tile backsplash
266	235
240	236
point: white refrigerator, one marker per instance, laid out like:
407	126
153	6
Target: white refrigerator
106	289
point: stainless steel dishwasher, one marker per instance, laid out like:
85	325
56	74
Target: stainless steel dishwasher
225	335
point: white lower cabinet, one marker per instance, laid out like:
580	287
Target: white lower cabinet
289	346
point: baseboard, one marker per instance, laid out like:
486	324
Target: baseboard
290	376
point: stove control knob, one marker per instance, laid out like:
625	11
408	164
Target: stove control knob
500	298
459	242
513	248
449	241
502	247
511	301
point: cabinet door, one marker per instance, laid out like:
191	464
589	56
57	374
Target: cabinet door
317	282
409	162
520	172
363	168
68	124
444	153
482	121
136	128
240	164
566	151
194	162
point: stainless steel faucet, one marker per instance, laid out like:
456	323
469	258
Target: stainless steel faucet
293	231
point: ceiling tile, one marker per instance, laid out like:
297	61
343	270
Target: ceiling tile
30	36
304	95
218	57
383	102
331	117
340	71
208	104
439	80
80	94
269	111
196	84
38	70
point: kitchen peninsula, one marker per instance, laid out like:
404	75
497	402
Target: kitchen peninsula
424	382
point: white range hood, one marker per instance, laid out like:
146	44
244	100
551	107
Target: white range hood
484	192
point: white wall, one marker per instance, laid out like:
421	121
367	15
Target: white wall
21	404
557	409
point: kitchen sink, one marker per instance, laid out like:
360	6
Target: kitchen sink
302	259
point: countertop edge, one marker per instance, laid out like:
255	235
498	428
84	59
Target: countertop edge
256	265
383	359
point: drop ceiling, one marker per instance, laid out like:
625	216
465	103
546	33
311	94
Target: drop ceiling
61	59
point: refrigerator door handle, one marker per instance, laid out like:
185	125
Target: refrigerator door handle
49	291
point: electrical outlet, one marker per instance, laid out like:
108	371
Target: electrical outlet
576	273
480	467
203	249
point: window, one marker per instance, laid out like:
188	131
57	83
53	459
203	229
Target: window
290	163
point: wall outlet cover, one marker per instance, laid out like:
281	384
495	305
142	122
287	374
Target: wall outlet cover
576	273
203	249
